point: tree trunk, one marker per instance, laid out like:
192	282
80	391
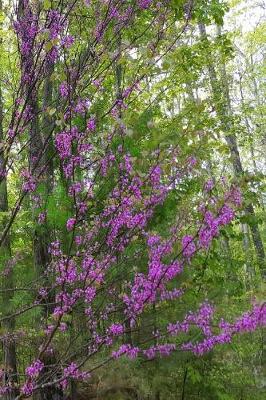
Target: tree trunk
223	108
8	344
41	168
249	131
184	384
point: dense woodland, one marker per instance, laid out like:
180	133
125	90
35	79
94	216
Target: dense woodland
132	199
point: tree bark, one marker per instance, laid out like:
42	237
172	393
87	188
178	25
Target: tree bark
8	344
41	168
249	131
221	97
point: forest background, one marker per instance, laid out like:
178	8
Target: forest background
165	100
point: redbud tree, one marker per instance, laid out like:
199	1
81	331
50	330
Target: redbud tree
89	194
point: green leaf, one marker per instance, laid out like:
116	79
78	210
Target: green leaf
47	4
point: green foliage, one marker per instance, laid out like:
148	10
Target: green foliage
57	199
178	109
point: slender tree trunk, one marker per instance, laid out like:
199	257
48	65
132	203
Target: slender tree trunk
223	107
184	384
74	390
8	344
249	131
42	237
259	109
41	168
157	395
248	254
118	72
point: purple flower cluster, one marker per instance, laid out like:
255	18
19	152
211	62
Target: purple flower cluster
27	388
33	370
29	184
91	125
209	185
116	329
64	89
163	350
143	4
71	222
67	41
73	372
126	349
248	322
72	148
188	246
210	228
66	271
201	319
